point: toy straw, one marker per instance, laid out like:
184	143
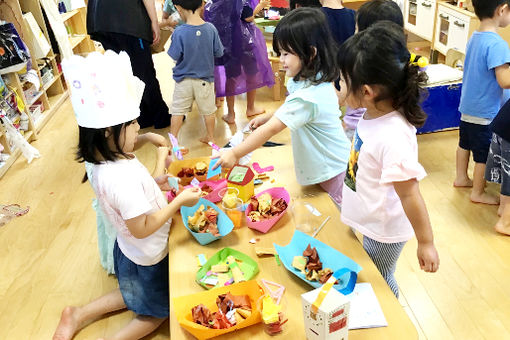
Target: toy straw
321	226
275	294
175	147
214	146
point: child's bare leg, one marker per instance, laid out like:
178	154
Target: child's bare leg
478	194
251	110
210	122
462	162
138	328
503	201
503	224
219	101
175	125
230	117
74	318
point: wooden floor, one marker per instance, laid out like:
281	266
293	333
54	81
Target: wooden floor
49	258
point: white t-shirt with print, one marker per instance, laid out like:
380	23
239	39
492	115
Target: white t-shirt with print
125	190
384	150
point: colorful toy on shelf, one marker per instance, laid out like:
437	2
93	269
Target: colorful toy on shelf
241	177
325	311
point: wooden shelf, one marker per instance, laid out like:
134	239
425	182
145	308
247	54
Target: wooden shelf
76	40
36	98
55	102
51	82
69	15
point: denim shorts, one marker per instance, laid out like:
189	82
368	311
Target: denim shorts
144	288
498	164
475	138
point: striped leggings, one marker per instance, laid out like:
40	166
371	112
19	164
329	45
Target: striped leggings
384	256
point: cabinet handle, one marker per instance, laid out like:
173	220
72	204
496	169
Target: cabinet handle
424	4
445	17
459	24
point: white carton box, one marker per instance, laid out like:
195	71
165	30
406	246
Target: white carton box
330	321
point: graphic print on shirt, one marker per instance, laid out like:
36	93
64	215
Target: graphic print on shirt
352	167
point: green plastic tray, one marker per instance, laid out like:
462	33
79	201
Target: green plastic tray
249	267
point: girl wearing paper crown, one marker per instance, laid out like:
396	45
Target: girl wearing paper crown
106	98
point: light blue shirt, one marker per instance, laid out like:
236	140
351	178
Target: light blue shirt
481	94
320	148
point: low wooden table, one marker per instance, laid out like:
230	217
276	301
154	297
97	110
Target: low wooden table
183	249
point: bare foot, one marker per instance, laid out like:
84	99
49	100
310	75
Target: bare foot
255	111
219	102
502	228
484	199
463	183
68	324
229	118
206	140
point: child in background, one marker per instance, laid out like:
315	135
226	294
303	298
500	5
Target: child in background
170	17
194	47
369	13
486	74
245	65
377	10
341	20
305	46
382	198
498	165
106	97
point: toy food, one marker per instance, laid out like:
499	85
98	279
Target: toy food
232	309
204	221
230	200
310	265
265	206
200	168
186	172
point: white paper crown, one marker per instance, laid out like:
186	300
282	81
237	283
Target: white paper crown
104	91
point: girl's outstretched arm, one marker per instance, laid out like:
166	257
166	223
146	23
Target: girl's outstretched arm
145	225
229	157
416	211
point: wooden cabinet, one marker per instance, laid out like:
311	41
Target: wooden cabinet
419	16
453	28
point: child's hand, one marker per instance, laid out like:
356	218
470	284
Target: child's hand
265	3
428	257
189	197
227	159
258	121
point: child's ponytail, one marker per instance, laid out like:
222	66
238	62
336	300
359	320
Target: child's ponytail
379	56
408	100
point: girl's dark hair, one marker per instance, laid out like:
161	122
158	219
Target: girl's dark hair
305	33
93	142
378	10
379	56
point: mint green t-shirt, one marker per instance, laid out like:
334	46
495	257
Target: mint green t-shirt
320	147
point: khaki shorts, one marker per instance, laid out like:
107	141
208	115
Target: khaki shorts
188	90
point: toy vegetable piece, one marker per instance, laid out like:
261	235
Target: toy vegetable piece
204	221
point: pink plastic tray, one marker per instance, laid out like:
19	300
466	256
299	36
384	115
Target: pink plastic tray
264	225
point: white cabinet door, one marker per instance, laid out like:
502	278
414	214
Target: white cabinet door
425	19
459	30
442	35
411	14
